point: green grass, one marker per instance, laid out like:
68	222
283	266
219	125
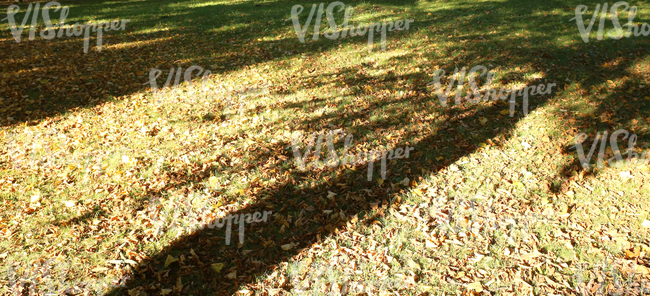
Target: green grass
485	201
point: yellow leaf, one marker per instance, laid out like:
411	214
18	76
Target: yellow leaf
417	192
430	244
213	181
645	224
35	198
476	286
217	267
504	112
647	98
330	194
482	120
611	83
179	285
170	260
165	291
380	181
287	246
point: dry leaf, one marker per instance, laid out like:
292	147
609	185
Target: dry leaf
179	285
35	198
170	260
217	267
213	181
287	247
476	286
429	244
645	224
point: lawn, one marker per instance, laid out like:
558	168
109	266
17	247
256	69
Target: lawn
111	187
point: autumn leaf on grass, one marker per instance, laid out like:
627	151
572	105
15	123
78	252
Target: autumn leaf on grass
129	160
217	267
482	120
287	247
476	286
35	198
179	285
213	181
645	224
170	260
505	112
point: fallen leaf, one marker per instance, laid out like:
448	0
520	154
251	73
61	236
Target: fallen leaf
213	181
217	267
626	174
645	224
179	285
429	244
170	260
476	286
35	198
100	269
287	247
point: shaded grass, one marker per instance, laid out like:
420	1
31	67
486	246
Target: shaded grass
174	146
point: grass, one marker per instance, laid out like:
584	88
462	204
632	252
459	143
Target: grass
95	169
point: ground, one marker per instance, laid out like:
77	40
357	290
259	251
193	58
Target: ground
105	183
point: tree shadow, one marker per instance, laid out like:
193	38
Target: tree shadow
259	256
39	85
